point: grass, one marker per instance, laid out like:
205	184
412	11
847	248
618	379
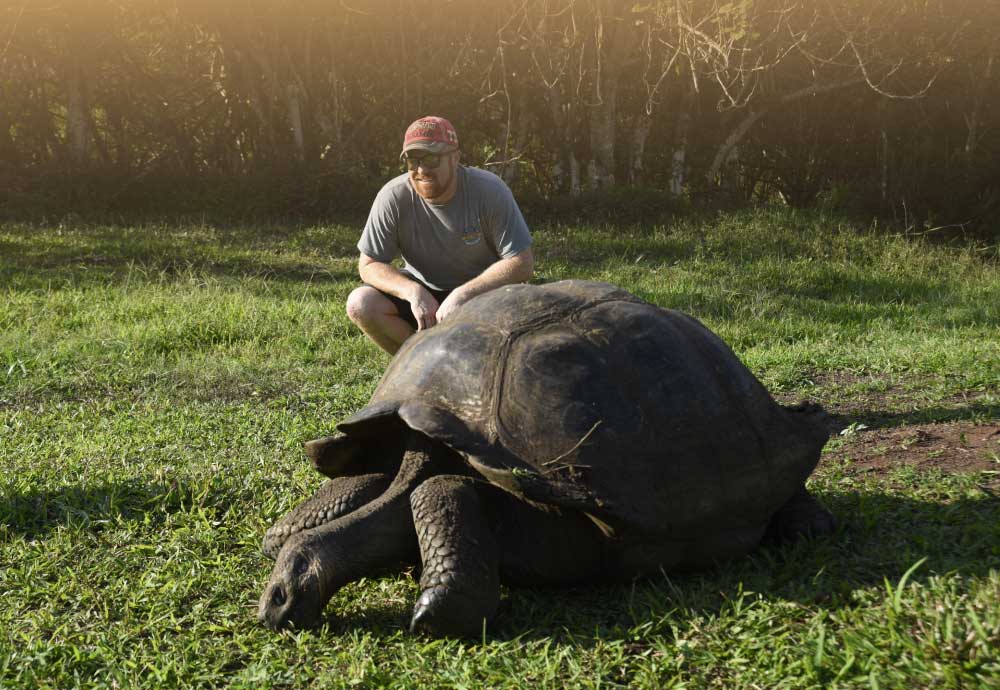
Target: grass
156	384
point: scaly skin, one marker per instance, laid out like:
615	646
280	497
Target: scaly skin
334	499
315	563
473	534
460	580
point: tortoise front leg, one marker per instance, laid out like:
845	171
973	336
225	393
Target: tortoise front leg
459	582
472	534
334	498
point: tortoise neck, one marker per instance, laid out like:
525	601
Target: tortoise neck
380	534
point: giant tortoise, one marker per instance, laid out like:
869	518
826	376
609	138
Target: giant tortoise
546	435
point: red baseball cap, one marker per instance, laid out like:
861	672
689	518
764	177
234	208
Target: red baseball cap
431	133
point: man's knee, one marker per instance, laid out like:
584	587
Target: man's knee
363	304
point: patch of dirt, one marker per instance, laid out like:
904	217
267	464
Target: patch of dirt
953	447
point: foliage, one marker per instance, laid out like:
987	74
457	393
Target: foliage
107	103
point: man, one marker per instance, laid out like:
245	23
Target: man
458	230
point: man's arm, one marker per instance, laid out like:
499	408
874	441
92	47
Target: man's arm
388	278
515	269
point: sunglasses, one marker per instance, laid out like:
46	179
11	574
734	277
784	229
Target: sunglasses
427	161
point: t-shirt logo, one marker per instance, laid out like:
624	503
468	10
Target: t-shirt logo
472	235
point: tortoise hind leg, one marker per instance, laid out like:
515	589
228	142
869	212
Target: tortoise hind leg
802	516
334	498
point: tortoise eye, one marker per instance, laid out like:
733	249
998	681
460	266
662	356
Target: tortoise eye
301	565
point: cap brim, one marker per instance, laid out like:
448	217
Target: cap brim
429	146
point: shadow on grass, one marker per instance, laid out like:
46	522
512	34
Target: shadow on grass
884	419
122	270
33	514
880	538
109	255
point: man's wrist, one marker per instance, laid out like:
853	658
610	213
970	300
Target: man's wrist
413	291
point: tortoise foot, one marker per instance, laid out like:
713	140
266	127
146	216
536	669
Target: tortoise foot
801	517
442	612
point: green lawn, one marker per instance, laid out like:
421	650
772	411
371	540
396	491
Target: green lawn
156	385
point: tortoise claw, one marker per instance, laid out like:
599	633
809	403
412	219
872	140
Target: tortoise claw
423	611
438	614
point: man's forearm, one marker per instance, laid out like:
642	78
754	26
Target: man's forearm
387	278
516	269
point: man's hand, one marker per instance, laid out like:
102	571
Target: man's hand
450	304
425	308
515	269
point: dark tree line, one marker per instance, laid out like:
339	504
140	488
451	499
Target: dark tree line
885	104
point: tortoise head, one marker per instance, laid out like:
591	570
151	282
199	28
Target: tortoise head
293	597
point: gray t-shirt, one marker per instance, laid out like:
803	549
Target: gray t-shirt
446	246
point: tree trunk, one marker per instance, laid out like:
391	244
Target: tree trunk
602	142
611	37
883	154
973	118
77	113
513	134
567	170
296	95
640	134
330	120
264	141
678	162
574	175
119	134
8	151
295	122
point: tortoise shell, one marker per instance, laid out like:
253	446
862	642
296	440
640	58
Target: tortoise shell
580	395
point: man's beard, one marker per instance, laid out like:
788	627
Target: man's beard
433	186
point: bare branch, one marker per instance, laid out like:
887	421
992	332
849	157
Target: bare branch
755	115
13	29
347	7
651	92
877	88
